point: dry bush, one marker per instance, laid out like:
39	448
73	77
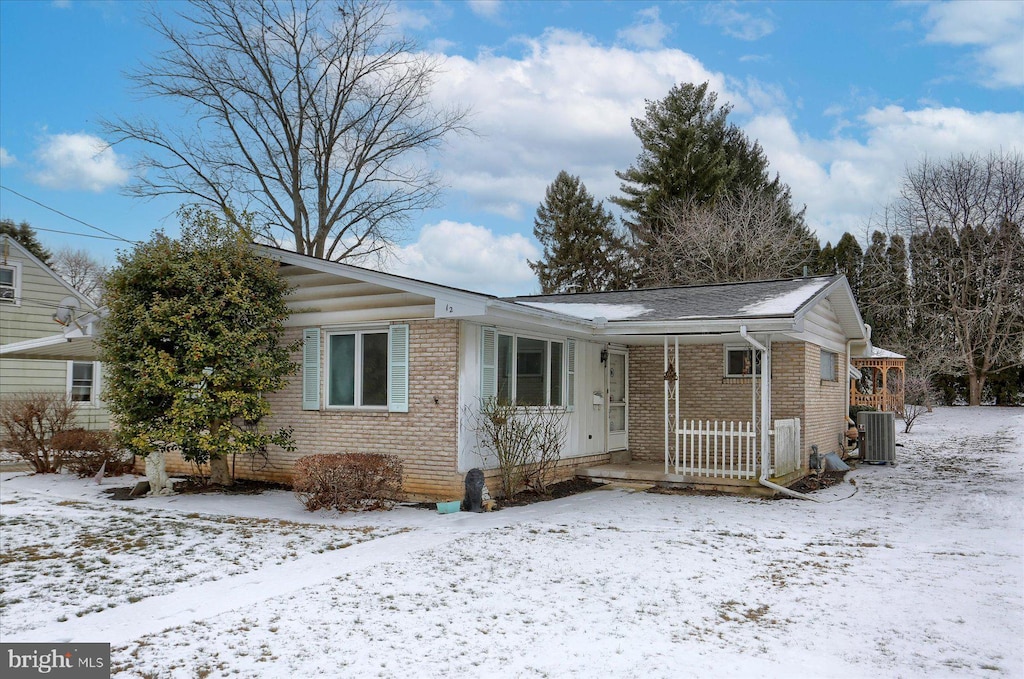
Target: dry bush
348	481
85	452
918	397
29	422
527	443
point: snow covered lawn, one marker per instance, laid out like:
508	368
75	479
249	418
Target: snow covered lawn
915	570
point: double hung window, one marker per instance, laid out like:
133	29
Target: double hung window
82	381
530	371
357	369
8	284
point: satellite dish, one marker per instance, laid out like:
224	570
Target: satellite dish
66	309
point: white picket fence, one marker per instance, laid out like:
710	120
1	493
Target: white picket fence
728	450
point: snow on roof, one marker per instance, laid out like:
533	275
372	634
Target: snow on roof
878	352
787	302
611	312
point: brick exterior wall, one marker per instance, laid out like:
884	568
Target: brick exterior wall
706	394
824	419
425	438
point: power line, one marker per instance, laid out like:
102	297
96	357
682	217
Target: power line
113	236
75	233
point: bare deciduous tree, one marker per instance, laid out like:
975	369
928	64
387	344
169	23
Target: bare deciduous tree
963	217
741	237
312	116
81	270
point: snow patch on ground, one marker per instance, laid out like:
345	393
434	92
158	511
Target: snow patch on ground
917	570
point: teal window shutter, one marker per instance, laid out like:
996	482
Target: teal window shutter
488	363
311	369
570	374
398	369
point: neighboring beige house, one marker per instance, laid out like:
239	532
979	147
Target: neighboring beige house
34	356
660	385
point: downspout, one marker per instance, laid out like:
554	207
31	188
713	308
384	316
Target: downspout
765	440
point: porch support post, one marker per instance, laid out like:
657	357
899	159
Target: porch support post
675	390
766	393
665	387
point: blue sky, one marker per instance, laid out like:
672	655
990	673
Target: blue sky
841	95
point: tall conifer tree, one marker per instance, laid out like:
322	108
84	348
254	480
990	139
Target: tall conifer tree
582	251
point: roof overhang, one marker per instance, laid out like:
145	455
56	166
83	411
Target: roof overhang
53	348
75	343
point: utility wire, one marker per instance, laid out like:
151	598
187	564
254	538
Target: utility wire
67	216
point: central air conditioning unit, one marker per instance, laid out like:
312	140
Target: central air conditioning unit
877	437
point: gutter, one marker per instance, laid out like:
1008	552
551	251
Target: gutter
765	444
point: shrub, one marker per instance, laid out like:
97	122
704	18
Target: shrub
527	443
85	452
348	481
29	422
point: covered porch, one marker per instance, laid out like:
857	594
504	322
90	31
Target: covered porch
726	441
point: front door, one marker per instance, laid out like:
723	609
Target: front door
618	401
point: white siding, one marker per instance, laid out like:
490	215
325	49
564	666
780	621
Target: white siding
585	424
821	327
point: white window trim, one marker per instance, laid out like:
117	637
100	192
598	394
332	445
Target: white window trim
16	300
739	347
358	376
94	395
547	366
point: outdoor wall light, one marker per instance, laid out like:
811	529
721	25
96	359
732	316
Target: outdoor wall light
604	356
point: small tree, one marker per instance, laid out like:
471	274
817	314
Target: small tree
30	422
582	251
918	398
81	270
192	343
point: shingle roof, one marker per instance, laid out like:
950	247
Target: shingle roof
759	299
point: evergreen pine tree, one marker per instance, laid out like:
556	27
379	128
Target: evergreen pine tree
849	261
26	235
691	157
582	251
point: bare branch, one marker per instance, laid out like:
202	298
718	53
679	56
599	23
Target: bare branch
309	115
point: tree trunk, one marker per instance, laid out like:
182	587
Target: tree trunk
220	474
977	386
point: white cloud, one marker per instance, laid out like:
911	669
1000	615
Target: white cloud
994	27
565	103
845	182
405	17
470	257
647	32
488	9
78	161
6	158
736	23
